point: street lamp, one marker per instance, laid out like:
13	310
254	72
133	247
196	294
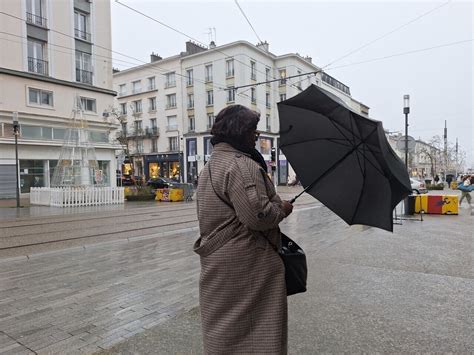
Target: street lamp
406	111
16	132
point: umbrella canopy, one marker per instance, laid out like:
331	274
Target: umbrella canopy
342	158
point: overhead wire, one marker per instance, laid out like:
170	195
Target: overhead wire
386	34
248	21
190	37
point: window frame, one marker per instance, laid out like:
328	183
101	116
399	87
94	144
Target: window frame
39	104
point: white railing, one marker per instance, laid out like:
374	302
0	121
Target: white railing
76	196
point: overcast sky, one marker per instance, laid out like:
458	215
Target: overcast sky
439	81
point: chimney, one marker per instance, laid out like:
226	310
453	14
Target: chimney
115	70
308	59
263	46
212	44
154	57
193	48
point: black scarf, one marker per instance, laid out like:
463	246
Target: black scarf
254	153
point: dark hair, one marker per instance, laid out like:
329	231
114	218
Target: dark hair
235	122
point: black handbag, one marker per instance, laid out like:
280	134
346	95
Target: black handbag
296	270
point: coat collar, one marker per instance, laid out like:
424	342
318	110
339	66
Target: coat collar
226	147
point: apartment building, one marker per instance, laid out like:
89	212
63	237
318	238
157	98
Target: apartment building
52	52
192	87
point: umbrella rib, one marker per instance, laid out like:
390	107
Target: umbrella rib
332	166
363	185
375	167
334	140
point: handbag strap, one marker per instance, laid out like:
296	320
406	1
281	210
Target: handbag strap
212	185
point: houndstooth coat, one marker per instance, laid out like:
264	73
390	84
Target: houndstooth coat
242	285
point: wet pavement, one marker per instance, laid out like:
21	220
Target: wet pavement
368	290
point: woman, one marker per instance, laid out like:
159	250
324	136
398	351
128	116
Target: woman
242	286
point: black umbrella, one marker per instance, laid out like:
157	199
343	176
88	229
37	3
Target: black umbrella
342	158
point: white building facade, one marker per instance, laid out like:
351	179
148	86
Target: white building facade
202	84
52	52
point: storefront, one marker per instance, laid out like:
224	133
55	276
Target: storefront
39	173
163	165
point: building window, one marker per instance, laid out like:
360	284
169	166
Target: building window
267	75
253	70
140	146
171	101
230	94
282	73
122	89
172	123
208	73
253	95
229	65
298	84
88	105
189	77
210	97
34	13
151	83
170	80
173	142
137	106
282	97
81	26
153	122
154	145
83	67
123	109
190	100
40	97
191	124
136	86
210	120
36	57
267	122
138	126
267	100
152	104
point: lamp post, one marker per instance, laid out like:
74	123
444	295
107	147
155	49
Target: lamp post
406	111
16	132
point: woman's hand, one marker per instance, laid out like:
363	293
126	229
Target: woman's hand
286	207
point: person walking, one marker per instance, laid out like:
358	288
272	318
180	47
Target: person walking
242	290
464	192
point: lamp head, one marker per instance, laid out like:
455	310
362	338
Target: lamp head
406	104
15	120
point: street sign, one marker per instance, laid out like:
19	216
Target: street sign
401	144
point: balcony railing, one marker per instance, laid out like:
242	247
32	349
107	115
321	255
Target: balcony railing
151	87
168	106
36	20
152	131
38	66
86	36
170	84
83	76
136	90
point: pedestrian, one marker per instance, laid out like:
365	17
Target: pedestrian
464	192
436	179
449	178
242	290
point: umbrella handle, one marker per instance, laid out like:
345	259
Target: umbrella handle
293	199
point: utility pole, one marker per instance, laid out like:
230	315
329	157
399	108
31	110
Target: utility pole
445	149
16	132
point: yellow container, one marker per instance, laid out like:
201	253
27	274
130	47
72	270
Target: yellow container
169	195
454	185
127	191
450	204
421	203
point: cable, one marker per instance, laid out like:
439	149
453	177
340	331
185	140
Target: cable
403	53
387	34
248	21
187	36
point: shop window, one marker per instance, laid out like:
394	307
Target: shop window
31	174
153	170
